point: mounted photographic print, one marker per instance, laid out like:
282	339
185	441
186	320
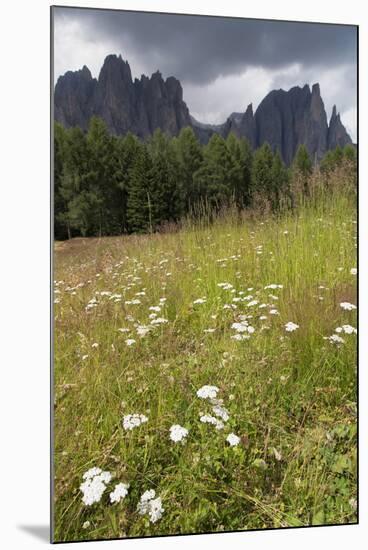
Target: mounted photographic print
204	219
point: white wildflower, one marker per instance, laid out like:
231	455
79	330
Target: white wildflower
159	321
130	341
347	329
120	492
290	326
221	412
274	312
200	301
178	433
233	440
334	339
207	392
347	306
150	505
353	271
94	485
155	308
142	330
240	337
131	421
208	419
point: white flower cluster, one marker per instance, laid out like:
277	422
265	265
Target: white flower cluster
150	505
243	330
207	392
178	433
347	329
290	326
131	421
94	485
347	306
208	419
334	339
233	440
120	492
219	411
200	301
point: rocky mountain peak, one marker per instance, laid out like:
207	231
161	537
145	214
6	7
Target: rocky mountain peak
284	119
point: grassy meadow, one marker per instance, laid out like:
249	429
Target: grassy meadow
142	322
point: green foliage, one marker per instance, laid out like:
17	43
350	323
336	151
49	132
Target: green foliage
109	185
291	396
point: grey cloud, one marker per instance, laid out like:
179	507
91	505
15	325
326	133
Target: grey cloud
223	63
198	49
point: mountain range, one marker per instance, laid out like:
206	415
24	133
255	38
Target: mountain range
284	119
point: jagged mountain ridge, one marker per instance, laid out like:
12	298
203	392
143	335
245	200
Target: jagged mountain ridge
284	119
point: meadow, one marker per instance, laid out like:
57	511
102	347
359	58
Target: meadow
211	370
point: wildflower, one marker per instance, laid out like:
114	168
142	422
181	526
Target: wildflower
207	392
347	306
178	433
142	330
348	329
240	327
95	345
120	492
200	301
150	505
155	308
208	419
290	326
130	341
131	421
94	485
274	312
122	330
91	473
353	271
233	440
225	286
86	524
159	321
240	337
221	412
209	330
334	339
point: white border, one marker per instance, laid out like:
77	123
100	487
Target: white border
24	495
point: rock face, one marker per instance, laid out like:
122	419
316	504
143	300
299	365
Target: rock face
140	106
287	119
284	119
337	135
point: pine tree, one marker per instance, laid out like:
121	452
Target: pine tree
213	177
240	169
262	186
139	206
190	157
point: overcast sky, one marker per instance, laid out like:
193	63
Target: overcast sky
223	64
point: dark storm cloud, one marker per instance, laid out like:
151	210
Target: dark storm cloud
200	49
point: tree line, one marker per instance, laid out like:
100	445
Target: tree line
109	185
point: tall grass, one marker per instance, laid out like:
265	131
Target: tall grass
291	396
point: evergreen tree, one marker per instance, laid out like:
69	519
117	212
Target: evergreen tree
262	180
190	157
240	169
213	177
280	180
139	206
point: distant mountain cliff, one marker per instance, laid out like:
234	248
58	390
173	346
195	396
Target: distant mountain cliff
283	119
